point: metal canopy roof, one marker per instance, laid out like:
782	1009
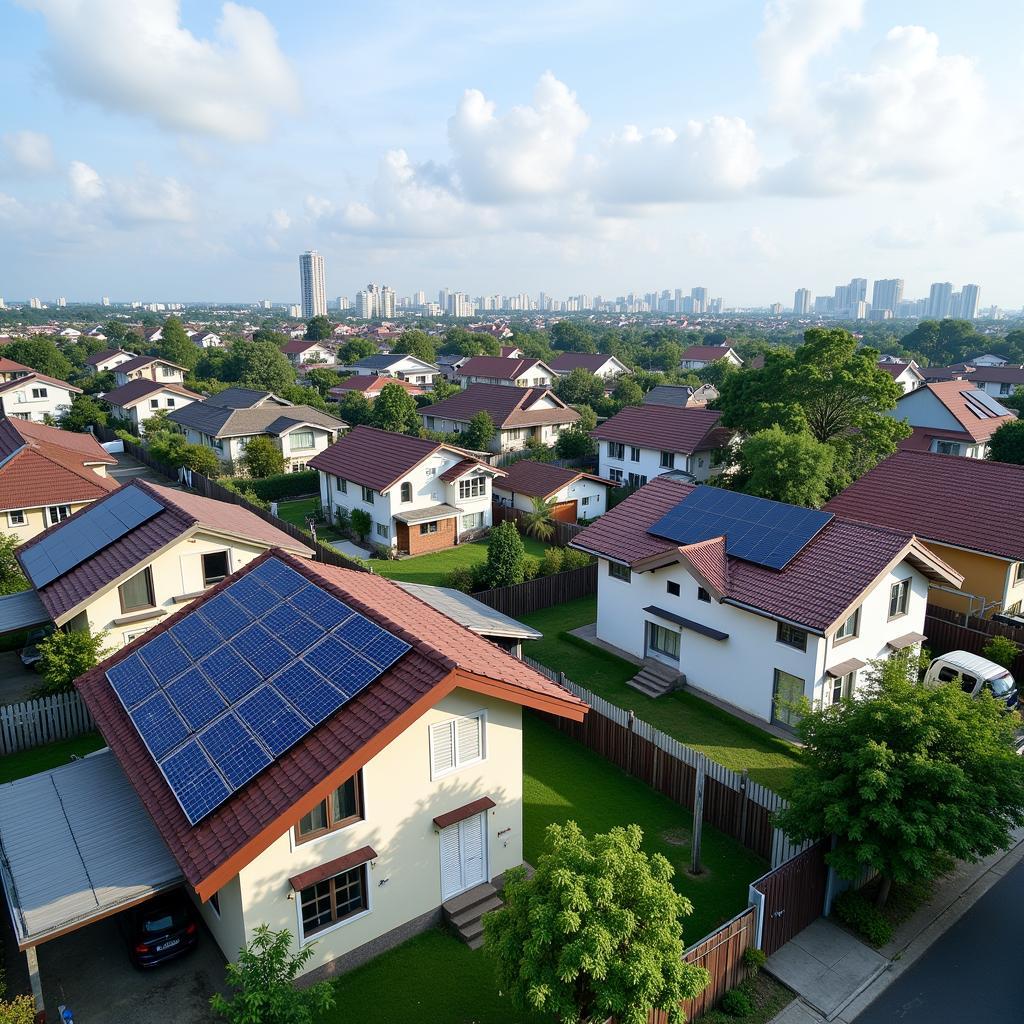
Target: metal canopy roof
21	611
471	613
77	845
429	514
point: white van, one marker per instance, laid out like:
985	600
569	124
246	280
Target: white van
975	674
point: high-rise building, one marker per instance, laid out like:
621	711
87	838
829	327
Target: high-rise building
824	305
105	301
35	303
386	309
700	300
775	309
264	304
715	306
314	290
442	298
295	311
62	302
801	302
970	295
940	300
420	298
459	304
887	294
343	302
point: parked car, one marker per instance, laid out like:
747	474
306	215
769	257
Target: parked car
975	674
29	654
160	929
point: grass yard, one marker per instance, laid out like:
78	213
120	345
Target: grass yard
297	513
723	737
52	755
433	568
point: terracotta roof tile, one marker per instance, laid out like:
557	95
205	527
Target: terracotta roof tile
664	428
952	394
708	352
500	367
507	406
141	388
371	385
541	479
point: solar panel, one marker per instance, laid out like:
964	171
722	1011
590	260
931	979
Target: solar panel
234	684
85	534
768	533
983	405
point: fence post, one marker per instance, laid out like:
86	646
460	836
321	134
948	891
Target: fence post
744	805
630	725
698	813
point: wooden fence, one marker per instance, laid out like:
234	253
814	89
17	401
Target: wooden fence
564	532
733	803
32	723
792	895
948	630
542	592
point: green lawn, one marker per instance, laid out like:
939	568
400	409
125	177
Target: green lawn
723	737
433	568
41	759
297	513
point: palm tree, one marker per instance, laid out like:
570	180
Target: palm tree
538	521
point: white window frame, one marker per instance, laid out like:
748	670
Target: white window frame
457	765
16	512
38	394
382	530
60	518
617	451
471	489
368	491
295	446
315	937
900	584
842	633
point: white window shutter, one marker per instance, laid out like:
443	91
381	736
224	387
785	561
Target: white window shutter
468	739
442	748
451	862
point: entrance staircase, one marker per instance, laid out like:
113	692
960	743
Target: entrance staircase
655	679
465	912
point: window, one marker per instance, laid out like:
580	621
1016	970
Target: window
333	900
406	491
672	588
16	517
615	475
637	480
431	472
154	403
619	572
426	528
298	467
616	450
57	513
586	499
137	592
840	688
947	447
634	454
703	595
343	807
663	640
170	403
668	460
456	743
39	392
342	485
899	598
474	521
789	689
1018	573
215	903
302	439
431	423
382	530
474	487
368	495
215	567
791	636
1005	389
168	371
849	627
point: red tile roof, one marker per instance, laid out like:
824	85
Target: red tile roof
970	503
84	444
499	367
542	479
711	353
665	428
371	385
443	655
951	394
507	406
141	388
709	558
10	366
35	375
299	345
895	369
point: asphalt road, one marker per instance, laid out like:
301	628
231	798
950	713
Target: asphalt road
971	974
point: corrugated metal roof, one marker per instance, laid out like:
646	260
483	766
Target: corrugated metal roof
76	845
21	611
469	612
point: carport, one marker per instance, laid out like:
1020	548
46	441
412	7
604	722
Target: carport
76	846
21	611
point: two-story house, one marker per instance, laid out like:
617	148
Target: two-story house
696	357
576	495
142	398
641	442
370	386
227	421
756	603
599	364
149	368
519	415
35	396
497	370
300	351
422	495
134	557
907	375
205	339
11	370
681	395
405	367
998	381
108	359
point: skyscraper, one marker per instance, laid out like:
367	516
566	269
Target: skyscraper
940	300
105	301
970	295
700	299
314	291
887	294
801	302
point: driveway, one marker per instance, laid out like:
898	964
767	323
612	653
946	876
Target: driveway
128	469
16	681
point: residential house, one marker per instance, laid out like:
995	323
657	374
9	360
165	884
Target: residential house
951	418
46	474
577	495
511	352
520	415
300	351
907	375
141	398
140	553
149	368
987	359
108	359
495	370
34	395
450	364
11	370
400	365
365	767
758	616
998	381
970	512
681	395
604	366
227	421
370	387
206	339
696	357
641	442
422	495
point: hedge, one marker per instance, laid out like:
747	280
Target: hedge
284	485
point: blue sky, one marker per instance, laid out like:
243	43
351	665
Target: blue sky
190	151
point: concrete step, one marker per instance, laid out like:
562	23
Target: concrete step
656	680
474	913
467	899
476	943
465	913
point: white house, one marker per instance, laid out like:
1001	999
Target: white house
577	495
149	368
34	396
987	359
696	357
140	399
421	495
108	359
641	442
206	339
300	351
600	365
907	375
758	619
402	365
520	373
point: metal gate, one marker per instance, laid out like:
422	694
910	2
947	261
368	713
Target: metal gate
794	896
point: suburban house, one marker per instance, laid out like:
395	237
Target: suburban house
604	366
141	398
696	357
370	386
641	442
11	370
108	359
421	495
998	381
450	364
46	474
227	421
149	368
907	375
497	370
134	557
205	339
510	351
970	512
401	365
577	495
755	603
951	418
681	395
519	414
300	351
987	359
34	395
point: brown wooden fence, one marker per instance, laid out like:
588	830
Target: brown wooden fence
793	896
948	630
564	532
543	592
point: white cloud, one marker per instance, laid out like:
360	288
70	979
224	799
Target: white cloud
1005	214
27	152
86	184
134	56
129	202
528	152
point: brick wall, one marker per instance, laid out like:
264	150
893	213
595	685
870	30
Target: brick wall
410	539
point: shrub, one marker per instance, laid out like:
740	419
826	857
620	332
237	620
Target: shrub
287	485
505	556
857	912
573	559
460	578
531	567
342	518
754	959
737	1003
362	523
1002	650
552	562
385	552
65	654
20	1010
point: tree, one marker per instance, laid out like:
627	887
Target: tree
416	343
569	336
321	379
260	365
200	459
395	409
362	522
1002	650
596	933
299	394
41	354
175	345
1007	443
355	409
262	458
66	654
628	392
794	468
538	521
12	580
319	328
505	556
459	341
263	980
85	412
580	386
441	390
906	777
119	335
480	432
355	349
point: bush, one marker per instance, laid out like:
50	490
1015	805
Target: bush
754	959
737	1003
362	523
461	578
531	567
573	559
342	518
857	912
287	485
20	1010
66	654
385	552
1002	650
552	562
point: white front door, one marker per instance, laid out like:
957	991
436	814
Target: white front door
463	855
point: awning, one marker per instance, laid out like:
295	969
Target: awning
485	803
907	640
332	867
20	611
695	627
844	668
428	515
76	845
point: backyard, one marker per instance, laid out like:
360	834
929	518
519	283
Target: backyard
52	755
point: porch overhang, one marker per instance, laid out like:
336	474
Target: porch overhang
431	514
844	668
900	643
694	627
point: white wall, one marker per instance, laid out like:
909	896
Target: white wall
19	402
142	411
922	409
577	491
649	465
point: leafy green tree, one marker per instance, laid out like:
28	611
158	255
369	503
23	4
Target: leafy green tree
580	386
41	354
98	383
795	468
323	380
569	336
416	343
262	458
175	345
1007	443
1002	650
595	934
538	522
276	338
85	412
573	442
442	389
12	580
261	366
200	459
480	432
395	409
263	984
459	341
298	394
362	523
319	328
355	349
119	335
628	392
906	777
505	556
68	653
940	342
355	409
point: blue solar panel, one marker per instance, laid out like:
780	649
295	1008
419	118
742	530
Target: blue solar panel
272	719
226	616
358	631
132	681
324	609
282	579
261	649
198	786
159	725
250	595
384	649
164	658
230	674
768	533
195	699
294	629
355	675
315	698
234	750
195	636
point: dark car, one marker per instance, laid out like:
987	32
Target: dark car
160	929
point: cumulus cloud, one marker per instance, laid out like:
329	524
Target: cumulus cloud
130	202
26	152
135	57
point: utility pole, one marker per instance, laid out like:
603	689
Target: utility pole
698	814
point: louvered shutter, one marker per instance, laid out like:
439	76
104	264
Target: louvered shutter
442	749
468	739
473	859
451	864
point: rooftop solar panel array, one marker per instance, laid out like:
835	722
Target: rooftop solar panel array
236	683
983	405
768	533
87	533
